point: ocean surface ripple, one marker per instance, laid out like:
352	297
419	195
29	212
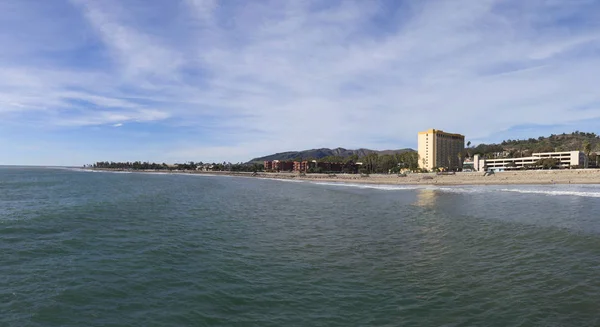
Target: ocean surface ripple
103	249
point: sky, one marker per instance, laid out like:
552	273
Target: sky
205	80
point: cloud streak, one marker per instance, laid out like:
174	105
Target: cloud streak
232	80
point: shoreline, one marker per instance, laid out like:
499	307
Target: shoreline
528	177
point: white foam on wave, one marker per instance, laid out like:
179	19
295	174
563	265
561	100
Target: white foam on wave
593	192
80	170
371	186
191	174
99	171
116	172
289	180
276	179
156	173
554	192
453	189
572	190
388	187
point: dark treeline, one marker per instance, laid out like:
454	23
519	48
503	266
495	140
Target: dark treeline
130	165
138	165
375	163
372	163
389	163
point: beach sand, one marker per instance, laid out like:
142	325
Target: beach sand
575	176
578	176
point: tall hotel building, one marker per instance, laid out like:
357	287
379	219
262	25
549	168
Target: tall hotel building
440	149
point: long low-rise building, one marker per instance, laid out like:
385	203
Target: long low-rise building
567	159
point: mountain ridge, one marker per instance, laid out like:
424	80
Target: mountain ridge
325	152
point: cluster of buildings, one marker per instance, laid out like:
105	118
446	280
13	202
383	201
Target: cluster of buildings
438	149
441	150
306	166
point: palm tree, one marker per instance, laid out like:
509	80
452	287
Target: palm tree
460	159
468	147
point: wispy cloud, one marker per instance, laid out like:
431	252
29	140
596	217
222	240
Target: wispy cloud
223	80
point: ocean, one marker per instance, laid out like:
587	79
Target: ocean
81	248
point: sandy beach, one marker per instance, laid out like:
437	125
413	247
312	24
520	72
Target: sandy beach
579	176
575	176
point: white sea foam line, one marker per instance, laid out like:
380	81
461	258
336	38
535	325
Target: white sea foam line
100	171
82	170
275	179
190	174
382	186
288	180
370	186
149	173
386	187
457	189
555	193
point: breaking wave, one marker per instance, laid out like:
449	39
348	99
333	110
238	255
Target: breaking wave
558	190
555	192
589	191
383	187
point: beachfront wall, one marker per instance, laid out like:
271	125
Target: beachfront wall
565	159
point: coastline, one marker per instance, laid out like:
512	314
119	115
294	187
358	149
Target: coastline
528	177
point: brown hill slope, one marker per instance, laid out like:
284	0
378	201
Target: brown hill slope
325	152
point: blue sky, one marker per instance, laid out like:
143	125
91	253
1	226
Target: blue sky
205	80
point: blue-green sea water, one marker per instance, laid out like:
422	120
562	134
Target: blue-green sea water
84	248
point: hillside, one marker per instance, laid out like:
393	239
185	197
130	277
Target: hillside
561	142
324	152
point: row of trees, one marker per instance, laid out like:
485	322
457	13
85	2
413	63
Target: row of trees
553	138
373	162
389	163
138	165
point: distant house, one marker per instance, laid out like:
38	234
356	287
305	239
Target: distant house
268	165
205	167
278	165
303	166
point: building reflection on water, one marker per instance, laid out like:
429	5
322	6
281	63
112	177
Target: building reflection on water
430	231
426	198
